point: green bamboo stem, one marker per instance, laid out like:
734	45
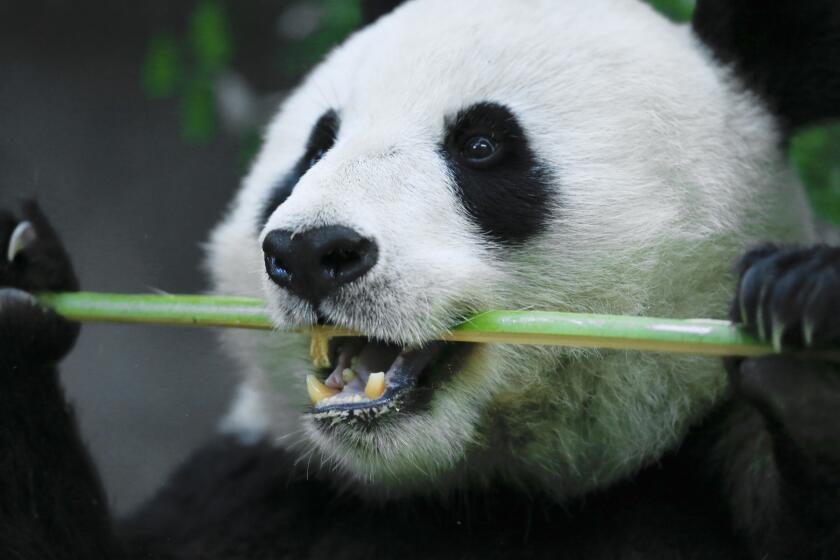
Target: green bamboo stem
685	336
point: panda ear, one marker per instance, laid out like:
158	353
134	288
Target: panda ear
372	10
787	51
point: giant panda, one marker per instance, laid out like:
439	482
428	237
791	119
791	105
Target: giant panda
453	157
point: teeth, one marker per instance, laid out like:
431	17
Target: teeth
348	375
375	387
317	390
319	349
348	399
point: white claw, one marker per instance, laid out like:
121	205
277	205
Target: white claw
759	318
762	296
23	236
778	333
808	333
742	305
13	295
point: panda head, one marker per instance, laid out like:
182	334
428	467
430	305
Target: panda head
454	157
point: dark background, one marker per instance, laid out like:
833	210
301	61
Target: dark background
132	123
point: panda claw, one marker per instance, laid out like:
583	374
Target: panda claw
759	319
9	296
789	297
745	316
22	237
778	334
808	333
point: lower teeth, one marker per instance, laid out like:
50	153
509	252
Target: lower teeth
321	394
375	387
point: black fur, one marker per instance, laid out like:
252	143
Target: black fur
508	200
51	503
236	502
796	397
372	10
321	140
786	50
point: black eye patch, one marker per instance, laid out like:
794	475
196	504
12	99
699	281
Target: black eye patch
321	139
502	185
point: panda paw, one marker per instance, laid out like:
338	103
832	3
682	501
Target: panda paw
32	259
790	297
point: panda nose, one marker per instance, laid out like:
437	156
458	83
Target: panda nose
315	263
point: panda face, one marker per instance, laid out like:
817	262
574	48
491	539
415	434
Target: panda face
582	156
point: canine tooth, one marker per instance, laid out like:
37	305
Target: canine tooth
319	348
375	387
348	375
317	390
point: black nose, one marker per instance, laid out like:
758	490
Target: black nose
315	263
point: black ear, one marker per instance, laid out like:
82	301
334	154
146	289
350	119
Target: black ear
372	10
787	51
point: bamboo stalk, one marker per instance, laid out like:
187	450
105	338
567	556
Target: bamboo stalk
685	336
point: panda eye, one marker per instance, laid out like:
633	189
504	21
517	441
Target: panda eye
322	138
481	150
316	157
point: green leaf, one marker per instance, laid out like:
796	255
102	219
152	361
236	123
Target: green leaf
251	144
338	20
815	154
677	10
341	17
198	111
209	36
162	67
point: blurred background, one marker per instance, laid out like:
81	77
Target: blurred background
132	123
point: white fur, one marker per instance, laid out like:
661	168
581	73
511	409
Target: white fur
666	170
247	419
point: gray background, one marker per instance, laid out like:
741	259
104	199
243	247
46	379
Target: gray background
133	202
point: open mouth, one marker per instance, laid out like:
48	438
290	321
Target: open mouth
368	378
